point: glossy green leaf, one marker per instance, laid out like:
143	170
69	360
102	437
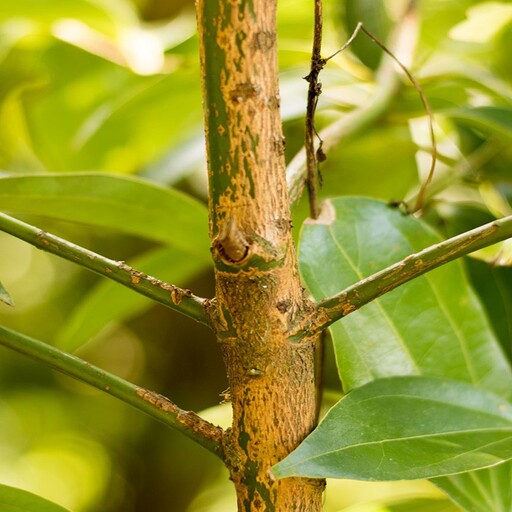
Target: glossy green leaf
406	428
125	204
433	325
496	120
17	500
110	302
5	297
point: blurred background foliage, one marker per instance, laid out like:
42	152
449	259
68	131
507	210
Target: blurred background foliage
113	86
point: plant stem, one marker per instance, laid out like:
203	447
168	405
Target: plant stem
258	291
387	86
314	91
176	298
153	404
354	297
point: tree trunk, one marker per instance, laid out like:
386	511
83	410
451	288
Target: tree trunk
259	298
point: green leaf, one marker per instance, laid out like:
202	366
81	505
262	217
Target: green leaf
16	500
423	505
375	18
121	203
48	12
483	22
433	325
496	120
494	286
406	428
5	297
487	490
110	302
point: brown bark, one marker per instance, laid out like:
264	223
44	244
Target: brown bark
259	298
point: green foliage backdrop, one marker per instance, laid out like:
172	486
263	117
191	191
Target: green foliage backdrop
112	86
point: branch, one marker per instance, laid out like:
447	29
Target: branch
178	299
155	405
354	297
387	86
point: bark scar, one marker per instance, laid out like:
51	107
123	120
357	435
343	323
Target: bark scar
231	244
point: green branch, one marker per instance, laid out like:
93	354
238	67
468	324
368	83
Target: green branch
155	405
178	299
354	297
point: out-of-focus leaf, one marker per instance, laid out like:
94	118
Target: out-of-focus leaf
423	505
17	500
496	120
109	119
433	325
483	22
141	125
406	428
487	490
352	167
125	204
5	297
438	18
109	302
494	286
106	17
375	19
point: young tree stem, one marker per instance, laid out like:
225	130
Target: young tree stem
258	292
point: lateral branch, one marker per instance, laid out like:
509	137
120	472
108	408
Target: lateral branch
178	299
354	297
157	406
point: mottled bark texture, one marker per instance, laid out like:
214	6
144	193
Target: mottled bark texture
259	299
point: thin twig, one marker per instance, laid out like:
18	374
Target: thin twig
365	291
314	91
315	88
421	194
178	299
359	26
157	406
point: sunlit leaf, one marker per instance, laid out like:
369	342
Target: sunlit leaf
104	16
17	500
406	428
125	204
5	297
483	22
423	505
140	124
110	302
